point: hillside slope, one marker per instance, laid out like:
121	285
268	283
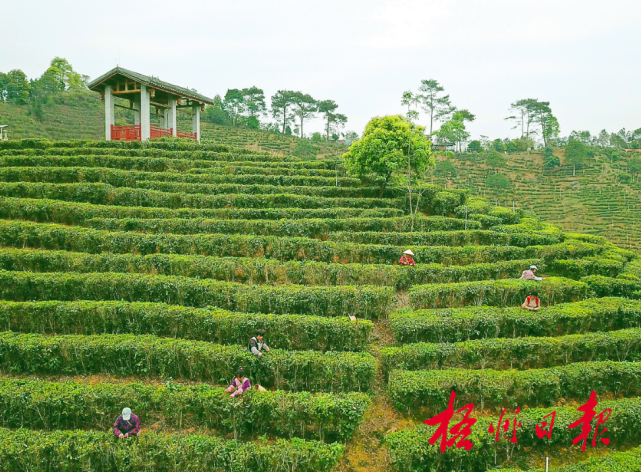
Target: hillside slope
593	201
80	115
134	274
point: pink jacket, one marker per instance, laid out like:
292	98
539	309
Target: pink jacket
238	387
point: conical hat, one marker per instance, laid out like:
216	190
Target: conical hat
409	251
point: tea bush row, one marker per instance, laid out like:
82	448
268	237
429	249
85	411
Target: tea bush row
509	388
151	356
292	332
38	404
362	301
80	451
463	324
505	292
257	270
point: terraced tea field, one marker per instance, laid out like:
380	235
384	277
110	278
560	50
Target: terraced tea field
593	201
134	275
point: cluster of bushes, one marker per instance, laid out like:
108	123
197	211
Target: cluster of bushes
25	234
292	332
362	301
162	164
79	451
496	292
448	238
306	228
130	177
521	353
151	356
71	213
462	324
257	270
410	449
603	286
103	194
38	404
511	388
578	268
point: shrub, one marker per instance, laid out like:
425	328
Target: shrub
411	451
496	292
57	211
463	324
79	451
37	404
608	286
362	301
293	332
151	356
257	270
522	353
508	389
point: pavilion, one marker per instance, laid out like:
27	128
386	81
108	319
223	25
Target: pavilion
143	92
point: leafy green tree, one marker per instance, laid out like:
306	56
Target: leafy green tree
475	146
498	184
303	107
14	87
452	132
436	105
64	73
216	113
350	137
523	115
333	121
234	104
316	137
575	153
445	170
254	101
463	116
282	102
410	99
603	139
390	144
498	145
495	160
635	166
542	114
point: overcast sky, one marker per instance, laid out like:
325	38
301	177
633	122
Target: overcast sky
583	56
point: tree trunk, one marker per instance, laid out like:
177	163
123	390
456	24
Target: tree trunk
574	171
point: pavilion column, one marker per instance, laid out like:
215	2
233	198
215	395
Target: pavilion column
136	108
109	111
171	115
145	110
195	120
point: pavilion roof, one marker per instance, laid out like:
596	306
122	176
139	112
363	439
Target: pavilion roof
149	81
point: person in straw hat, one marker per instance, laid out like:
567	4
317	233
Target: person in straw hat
407	258
127	425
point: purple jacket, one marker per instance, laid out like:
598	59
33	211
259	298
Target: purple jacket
238	387
123	427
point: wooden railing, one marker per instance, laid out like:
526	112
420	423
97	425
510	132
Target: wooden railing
125	133
132	133
185	134
158	132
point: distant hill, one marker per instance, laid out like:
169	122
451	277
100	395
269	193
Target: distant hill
80	115
594	201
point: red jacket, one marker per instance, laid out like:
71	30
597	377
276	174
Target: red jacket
407	260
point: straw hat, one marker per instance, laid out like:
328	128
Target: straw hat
409	252
533	267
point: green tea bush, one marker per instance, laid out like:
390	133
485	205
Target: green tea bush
362	301
42	236
410	449
292	332
521	353
37	404
577	268
510	388
610	287
256	270
463	324
80	451
151	356
103	194
496	292
447	238
57	211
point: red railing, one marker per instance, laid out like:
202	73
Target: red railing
185	134
125	133
158	132
132	133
